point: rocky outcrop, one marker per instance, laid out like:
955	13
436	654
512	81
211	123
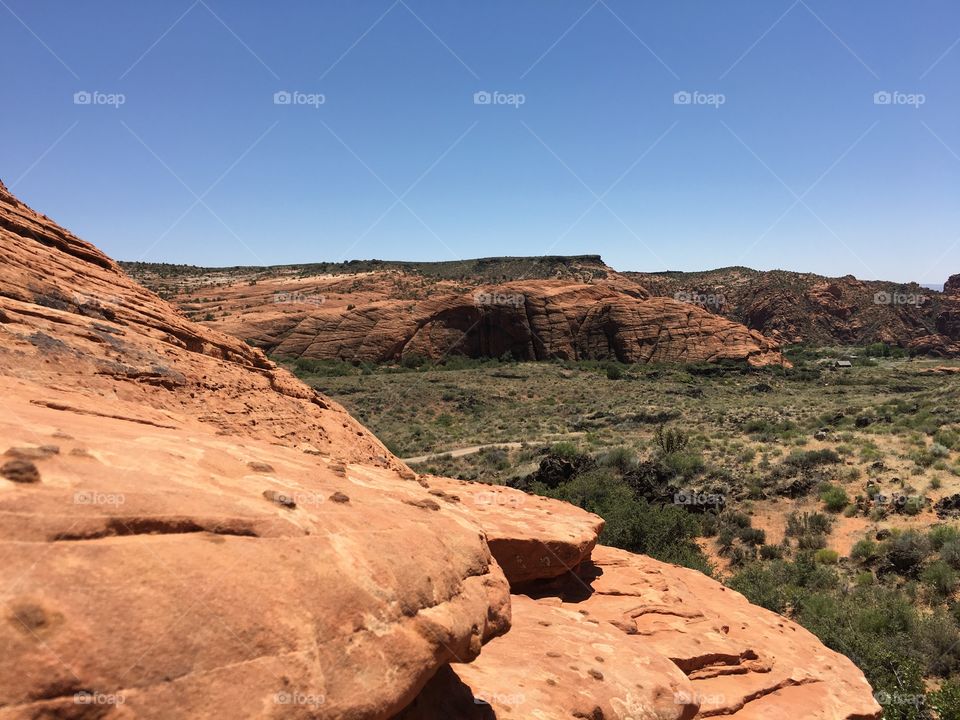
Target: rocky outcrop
186	531
574	634
532	537
387	317
803	308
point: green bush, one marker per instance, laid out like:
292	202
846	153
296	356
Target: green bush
665	532
809	459
865	550
906	552
950	553
835	498
614	371
941	578
827	557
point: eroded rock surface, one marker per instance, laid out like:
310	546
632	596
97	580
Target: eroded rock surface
532	537
145	572
386	316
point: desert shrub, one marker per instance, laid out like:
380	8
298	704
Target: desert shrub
565	450
827	557
413	361
323	368
865	550
620	458
768	431
946	701
834	497
941	578
950	553
752	536
940	640
876	628
741	555
685	463
948	438
735	519
815	523
664	532
725	538
812	542
809	459
671	440
906	552
771	552
614	371
762	586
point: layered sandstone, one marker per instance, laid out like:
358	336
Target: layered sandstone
389	317
195	532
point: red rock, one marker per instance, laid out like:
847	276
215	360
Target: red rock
531	537
149	569
379	318
559	663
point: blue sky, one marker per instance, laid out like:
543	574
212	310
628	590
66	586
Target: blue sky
782	158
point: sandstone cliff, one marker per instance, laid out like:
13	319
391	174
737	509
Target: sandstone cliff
389	316
186	531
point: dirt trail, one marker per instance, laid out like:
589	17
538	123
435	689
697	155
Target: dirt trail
473	449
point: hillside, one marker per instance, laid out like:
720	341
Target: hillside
803	308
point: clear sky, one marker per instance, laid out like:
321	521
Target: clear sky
781	158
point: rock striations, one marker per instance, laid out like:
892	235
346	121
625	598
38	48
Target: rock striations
389	316
186	531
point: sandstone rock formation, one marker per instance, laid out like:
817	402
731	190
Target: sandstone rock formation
803	308
388	317
186	531
151	562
